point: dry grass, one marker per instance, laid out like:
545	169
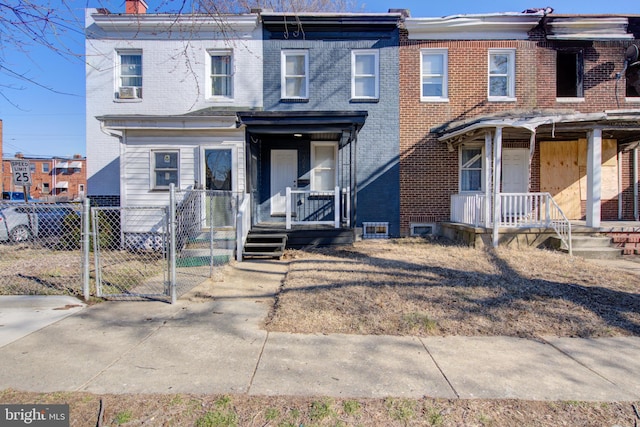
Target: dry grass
417	287
288	411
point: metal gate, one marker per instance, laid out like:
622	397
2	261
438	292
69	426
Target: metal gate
130	248
161	253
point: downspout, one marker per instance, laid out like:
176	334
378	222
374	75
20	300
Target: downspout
355	176
635	185
619	185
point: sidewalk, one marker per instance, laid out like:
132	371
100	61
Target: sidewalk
212	342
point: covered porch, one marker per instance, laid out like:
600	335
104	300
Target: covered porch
515	176
301	173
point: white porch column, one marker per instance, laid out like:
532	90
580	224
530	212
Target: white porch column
594	177
497	170
487	178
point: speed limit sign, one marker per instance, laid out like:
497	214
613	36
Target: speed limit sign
21	171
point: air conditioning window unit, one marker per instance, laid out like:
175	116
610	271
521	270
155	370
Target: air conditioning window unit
129	92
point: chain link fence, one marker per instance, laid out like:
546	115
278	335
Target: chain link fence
130	253
40	249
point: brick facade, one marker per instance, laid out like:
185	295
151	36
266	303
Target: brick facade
429	171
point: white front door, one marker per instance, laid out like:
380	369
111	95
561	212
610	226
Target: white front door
284	173
515	170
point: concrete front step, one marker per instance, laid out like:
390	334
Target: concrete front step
579	242
591	247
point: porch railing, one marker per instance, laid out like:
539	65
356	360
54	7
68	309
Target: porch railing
517	210
243	225
317	207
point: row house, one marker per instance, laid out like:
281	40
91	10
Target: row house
518	121
383	123
54	179
295	115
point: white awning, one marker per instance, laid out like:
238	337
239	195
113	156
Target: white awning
75	165
62	165
62	184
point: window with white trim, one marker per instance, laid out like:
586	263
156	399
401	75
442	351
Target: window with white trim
365	76
434	75
502	74
45	167
165	169
471	167
46	189
129	69
323	166
221	74
294	77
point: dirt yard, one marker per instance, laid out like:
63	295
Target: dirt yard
404	287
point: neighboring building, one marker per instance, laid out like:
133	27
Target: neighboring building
534	102
55	179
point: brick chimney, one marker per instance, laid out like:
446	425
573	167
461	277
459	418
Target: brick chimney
135	6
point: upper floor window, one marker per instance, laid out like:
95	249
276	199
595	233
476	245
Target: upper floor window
221	74
295	74
45	167
471	167
129	74
569	74
433	72
364	74
502	73
165	166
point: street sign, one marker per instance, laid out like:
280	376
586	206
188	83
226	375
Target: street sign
21	171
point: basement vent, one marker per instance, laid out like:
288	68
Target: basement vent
422	230
375	230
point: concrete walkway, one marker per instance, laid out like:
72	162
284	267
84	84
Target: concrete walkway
212	342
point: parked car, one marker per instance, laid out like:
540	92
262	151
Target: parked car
17	225
21	223
15	196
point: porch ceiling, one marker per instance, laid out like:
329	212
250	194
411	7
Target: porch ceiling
622	125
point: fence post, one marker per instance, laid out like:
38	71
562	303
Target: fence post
86	243
172	242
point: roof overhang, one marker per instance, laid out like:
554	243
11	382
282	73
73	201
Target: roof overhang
494	26
623	125
174	23
196	121
290	122
351	22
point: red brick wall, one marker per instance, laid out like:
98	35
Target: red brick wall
428	171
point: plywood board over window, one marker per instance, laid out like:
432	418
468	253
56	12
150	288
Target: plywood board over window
563	173
609	185
560	175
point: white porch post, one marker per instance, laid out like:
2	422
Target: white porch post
497	168
336	203
487	178
594	177
288	208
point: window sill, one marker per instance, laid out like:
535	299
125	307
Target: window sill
501	99
633	100
294	100
219	100
364	100
565	100
127	101
434	100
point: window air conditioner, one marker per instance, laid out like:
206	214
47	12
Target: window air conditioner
128	92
